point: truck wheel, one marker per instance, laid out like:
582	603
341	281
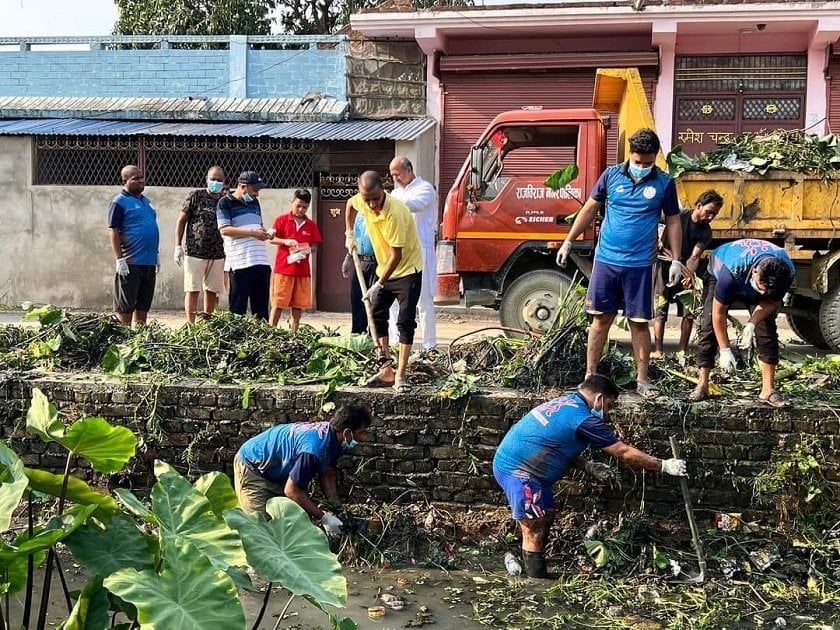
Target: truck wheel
830	319
531	301
808	328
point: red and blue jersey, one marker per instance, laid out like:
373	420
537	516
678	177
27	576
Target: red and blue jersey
544	443
732	265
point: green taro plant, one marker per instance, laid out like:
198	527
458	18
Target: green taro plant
178	561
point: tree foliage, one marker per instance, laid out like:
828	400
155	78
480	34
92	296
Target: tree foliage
310	17
194	17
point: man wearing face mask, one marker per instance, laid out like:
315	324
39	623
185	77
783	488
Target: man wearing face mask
135	240
239	217
634	195
759	274
696	237
538	450
205	252
282	461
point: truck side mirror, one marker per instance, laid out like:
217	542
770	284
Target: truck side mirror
476	167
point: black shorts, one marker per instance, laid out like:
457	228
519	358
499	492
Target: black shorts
135	291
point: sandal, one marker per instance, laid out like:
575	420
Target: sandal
647	390
401	387
698	393
378	381
775	399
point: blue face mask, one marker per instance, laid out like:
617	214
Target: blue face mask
638	172
247	198
349	446
215	187
598	413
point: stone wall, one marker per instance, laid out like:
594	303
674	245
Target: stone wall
421	447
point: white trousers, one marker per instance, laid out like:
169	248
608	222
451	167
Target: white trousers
426	304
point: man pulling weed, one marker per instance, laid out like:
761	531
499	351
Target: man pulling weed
759	274
283	460
540	448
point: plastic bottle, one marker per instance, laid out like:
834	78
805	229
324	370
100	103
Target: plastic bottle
512	565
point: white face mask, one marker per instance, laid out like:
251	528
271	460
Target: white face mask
755	286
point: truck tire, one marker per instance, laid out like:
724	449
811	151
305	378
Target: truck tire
830	319
531	301
808	330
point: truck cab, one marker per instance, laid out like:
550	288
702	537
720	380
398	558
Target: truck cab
501	224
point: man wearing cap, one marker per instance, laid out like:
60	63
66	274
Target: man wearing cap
239	217
135	238
205	252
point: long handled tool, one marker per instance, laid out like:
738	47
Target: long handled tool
695	533
360	276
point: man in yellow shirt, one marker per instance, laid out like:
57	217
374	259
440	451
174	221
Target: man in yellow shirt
393	235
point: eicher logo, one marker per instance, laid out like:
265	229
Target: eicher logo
533	216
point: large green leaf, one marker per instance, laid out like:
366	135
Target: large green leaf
562	178
58	528
102	551
216	487
184	513
106	447
290	550
15	567
360	344
42	418
78	491
135	505
91	609
12	485
189	594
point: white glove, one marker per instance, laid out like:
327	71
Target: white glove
122	266
349	240
179	255
747	336
373	291
674	273
726	361
563	252
597	470
347	266
674	467
332	525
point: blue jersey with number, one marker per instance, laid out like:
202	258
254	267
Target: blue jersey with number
629	233
544	443
273	453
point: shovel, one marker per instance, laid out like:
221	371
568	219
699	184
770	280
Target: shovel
357	263
695	533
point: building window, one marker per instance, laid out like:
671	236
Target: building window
175	161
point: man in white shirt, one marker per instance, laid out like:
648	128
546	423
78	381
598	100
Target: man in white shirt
421	198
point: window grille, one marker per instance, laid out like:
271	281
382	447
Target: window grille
749	73
176	161
706	109
772	109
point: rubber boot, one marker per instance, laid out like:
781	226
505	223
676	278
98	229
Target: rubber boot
534	564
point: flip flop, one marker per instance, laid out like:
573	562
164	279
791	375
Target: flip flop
775	399
647	390
377	381
697	394
401	387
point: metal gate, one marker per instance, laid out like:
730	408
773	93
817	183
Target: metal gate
718	97
332	289
473	99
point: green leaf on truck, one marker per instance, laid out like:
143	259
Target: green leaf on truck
678	162
562	178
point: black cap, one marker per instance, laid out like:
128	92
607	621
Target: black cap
252	178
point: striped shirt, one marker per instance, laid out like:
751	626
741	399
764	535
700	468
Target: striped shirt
241	252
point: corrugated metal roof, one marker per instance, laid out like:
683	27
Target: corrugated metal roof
312	107
344	130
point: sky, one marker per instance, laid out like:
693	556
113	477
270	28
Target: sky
38	18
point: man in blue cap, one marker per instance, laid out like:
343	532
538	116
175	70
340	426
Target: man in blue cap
240	222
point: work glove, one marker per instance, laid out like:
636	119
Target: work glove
373	292
597	470
332	525
563	253
747	336
674	467
347	266
726	361
179	255
349	240
122	266
674	273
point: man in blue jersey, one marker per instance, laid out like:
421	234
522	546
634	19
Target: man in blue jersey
635	194
283	460
135	239
759	274
239	217
545	443
359	321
